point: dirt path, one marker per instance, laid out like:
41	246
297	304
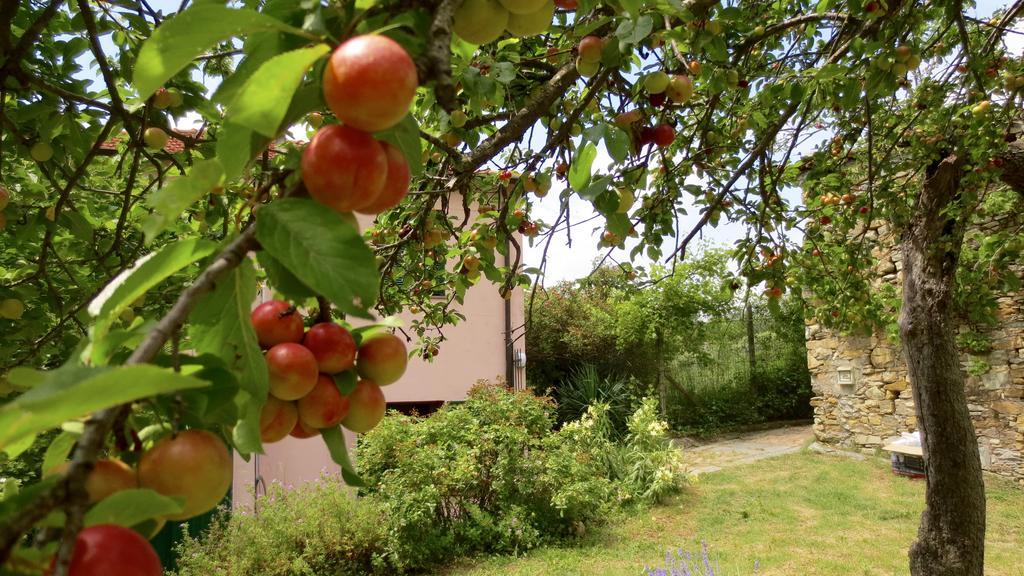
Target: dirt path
746	447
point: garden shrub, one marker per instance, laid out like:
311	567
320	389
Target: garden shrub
489	475
316	529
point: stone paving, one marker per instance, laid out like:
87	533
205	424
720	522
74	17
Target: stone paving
736	449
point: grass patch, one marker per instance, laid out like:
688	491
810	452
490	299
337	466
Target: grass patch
796	514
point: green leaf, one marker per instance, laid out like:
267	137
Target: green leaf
282	280
406	137
130	507
16	449
346	382
579	171
170	201
263	101
235	148
617	142
77	391
58	450
258	49
221	325
149	271
322	250
183	37
335	441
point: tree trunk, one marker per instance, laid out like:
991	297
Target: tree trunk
951	536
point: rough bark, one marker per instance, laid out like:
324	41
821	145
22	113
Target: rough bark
951	536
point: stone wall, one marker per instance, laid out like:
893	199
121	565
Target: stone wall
863	397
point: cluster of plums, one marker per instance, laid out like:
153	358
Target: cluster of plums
484	21
368	83
302	364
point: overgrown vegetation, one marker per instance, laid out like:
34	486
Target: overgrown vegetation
490	475
685	338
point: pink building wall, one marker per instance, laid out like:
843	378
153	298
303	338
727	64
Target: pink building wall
474	349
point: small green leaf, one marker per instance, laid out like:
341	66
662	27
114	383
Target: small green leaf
58	450
263	101
335	441
617	143
322	250
170	201
346	382
130	507
406	137
183	37
76	391
149	271
579	171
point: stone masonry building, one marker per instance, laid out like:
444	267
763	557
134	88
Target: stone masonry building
863	397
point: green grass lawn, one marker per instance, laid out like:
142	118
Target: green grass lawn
802	514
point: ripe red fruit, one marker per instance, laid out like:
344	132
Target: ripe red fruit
657	100
567	4
333	346
292	369
395	186
324	406
864	209
194	465
835	313
590	48
366	407
369	82
302	430
663	135
277	419
275	322
344	169
871	7
815	252
112	550
505	175
382	358
825	220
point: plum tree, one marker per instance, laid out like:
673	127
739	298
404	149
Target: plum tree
194	465
754	88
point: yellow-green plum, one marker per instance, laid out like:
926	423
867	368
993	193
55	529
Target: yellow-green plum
194	465
480	21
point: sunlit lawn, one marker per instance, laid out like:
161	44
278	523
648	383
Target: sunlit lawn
802	514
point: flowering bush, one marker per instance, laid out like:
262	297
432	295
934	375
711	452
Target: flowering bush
488	475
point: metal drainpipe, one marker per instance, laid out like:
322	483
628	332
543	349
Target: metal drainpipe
510	368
